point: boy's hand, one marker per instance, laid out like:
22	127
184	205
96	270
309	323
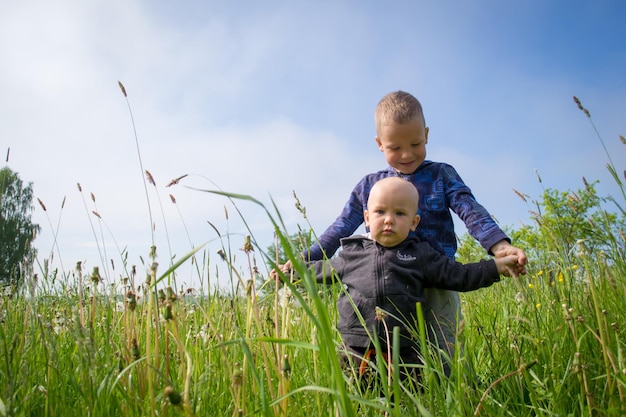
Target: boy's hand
285	269
504	248
508	265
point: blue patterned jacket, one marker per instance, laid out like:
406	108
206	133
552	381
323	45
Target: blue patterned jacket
441	191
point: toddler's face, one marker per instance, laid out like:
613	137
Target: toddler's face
391	214
404	145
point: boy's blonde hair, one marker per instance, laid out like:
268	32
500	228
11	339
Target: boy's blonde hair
397	107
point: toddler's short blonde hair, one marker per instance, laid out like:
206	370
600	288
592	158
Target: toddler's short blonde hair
397	107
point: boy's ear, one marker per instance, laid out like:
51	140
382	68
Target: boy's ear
426	130
379	143
366	216
416	221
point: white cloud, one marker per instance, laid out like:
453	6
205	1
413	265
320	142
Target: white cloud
271	100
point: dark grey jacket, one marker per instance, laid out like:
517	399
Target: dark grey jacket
393	279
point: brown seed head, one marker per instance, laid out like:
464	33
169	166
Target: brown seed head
122	88
520	195
150	178
43	206
176	180
247	245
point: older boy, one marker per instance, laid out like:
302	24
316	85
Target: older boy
402	136
388	270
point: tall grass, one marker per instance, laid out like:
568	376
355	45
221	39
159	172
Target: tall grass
547	344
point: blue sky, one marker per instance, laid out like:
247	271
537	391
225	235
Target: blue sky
270	98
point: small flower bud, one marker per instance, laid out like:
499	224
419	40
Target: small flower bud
286	367
172	395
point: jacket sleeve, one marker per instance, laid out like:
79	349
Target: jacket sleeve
345	225
326	271
439	271
477	219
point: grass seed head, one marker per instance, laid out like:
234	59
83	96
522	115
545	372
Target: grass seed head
150	178
237	375
167	312
172	395
380	314
134	350
95	275
171	295
131	300
247	245
122	88
286	366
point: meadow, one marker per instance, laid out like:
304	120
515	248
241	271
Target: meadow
549	343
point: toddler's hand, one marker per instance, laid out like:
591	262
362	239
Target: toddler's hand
509	266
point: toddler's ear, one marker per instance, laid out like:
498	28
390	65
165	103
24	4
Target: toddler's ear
366	216
416	221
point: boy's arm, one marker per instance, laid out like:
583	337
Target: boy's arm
345	225
477	219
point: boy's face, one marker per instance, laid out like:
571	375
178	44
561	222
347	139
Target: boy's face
391	214
404	145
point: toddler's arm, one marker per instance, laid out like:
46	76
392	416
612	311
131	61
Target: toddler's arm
508	265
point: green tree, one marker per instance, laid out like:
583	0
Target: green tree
564	224
17	231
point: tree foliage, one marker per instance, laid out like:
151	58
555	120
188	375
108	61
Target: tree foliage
17	231
564	223
567	222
